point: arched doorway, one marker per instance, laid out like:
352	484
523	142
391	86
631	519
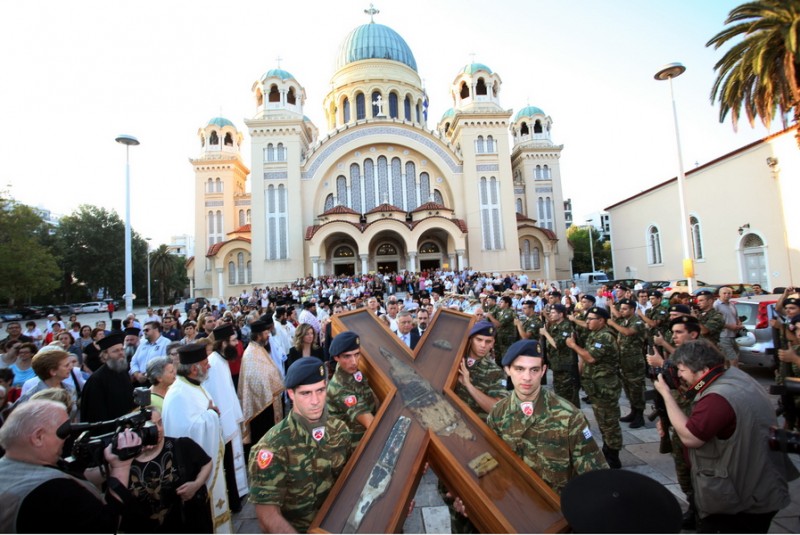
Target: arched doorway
753	260
387	258
430	256
344	261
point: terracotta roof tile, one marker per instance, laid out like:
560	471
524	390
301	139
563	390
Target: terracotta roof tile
241	230
431	206
340	209
385	207
214	249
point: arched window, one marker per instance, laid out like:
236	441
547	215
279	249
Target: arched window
231	274
383	181
429	247
537	172
537	127
464	90
369	185
210	186
752	240
328	202
525	255
653	245
228	139
241	218
546	172
361	108
356	187
490	214
480	87
344	251
210	224
218	183
248	217
479	145
270	152
519	206
213	138
280	153
393	112
411	186
376	109
437	197
424	187
240	268
490	144
291	98
536	259
341	190
407	108
523	129
419	107
396	181
697	239
274	94
249	272
346	110
386	249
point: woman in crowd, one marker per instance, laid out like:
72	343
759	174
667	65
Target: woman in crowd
53	368
22	367
168	481
303	345
66	340
161	374
189	332
86	336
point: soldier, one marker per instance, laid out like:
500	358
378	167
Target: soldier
601	380
666	342
349	396
711	320
531	327
503	320
631	340
563	360
294	466
549	434
579	318
656	317
481	382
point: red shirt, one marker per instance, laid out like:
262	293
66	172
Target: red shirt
712	417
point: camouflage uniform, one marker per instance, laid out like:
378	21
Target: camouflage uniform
292	470
632	365
714	321
486	376
563	363
555	440
348	398
660	315
533	326
506	331
581	332
602	384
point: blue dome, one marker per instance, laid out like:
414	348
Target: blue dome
221	122
374	41
280	73
449	113
472	68
528	111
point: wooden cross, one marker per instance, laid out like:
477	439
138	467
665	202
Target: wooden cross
444	432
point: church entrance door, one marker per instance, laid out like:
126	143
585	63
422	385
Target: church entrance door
429	265
387	267
344	269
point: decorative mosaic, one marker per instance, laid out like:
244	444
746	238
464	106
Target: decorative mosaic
487	167
275	175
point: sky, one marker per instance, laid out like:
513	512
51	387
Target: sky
77	74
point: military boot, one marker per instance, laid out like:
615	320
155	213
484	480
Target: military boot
638	419
612	457
629	418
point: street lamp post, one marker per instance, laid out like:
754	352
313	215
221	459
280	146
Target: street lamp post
668	72
148	272
591	247
128	140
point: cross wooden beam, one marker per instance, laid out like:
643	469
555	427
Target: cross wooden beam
444	432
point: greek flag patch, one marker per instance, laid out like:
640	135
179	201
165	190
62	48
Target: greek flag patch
587	434
598	345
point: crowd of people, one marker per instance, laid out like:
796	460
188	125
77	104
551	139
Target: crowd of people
254	396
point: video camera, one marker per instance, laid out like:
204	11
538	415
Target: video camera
93	438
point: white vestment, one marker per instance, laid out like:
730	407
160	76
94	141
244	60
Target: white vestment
219	386
186	414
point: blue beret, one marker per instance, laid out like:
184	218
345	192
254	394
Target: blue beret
589	297
483	328
684	320
625	302
791	301
344	342
305	371
655	293
599	311
682	309
527	348
561	309
704	292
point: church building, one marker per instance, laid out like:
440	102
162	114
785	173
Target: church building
377	191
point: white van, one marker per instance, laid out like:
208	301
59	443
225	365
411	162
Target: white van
590	278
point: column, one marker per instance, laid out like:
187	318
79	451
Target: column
452	261
315	264
220	287
364	267
547	267
191	287
412	261
462	262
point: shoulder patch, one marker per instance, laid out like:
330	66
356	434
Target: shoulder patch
598	345
527	408
263	458
318	433
587	433
350	401
358	376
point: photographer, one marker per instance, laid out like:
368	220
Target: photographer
739	483
30	479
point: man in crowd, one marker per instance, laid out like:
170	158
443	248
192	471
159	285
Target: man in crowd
727	338
170	330
563	360
131	342
154	345
349	396
481	382
40	498
108	393
711	321
631	334
294	466
14	330
309	315
189	411
423	318
503	320
406	331
739	483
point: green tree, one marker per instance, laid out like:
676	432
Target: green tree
27	266
760	72
578	236
168	272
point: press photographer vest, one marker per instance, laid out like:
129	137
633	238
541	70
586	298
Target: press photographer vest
18	479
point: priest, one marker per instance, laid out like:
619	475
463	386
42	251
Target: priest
108	393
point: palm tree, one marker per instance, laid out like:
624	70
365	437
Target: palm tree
162	266
760	73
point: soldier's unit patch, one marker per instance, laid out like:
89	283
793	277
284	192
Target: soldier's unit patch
318	433
358	376
527	407
587	434
598	345
263	458
350	401
470	362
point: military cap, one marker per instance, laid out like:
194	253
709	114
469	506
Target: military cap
483	328
625	302
529	302
91	351
683	320
704	292
589	297
558	307
223	332
192	353
111	340
305	371
527	348
507	299
344	342
491	296
259	326
619	501
116	324
132	331
599	311
655	293
791	301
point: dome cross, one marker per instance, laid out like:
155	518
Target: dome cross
372	11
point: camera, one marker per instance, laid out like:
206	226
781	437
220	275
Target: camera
669	372
90	439
784	440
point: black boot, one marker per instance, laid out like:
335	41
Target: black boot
638	419
612	457
689	522
629	418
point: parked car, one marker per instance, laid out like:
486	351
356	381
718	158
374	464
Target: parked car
739	289
201	302
627	283
94	306
30	313
757	311
679	285
6	314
